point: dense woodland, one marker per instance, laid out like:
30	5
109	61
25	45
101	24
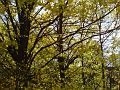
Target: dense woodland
59	45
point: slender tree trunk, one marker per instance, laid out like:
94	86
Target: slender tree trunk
103	75
82	57
60	48
103	66
83	74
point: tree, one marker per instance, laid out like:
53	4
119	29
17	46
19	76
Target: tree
27	25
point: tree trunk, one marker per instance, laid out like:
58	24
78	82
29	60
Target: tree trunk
60	49
103	66
21	53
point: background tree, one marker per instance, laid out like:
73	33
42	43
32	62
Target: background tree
45	41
